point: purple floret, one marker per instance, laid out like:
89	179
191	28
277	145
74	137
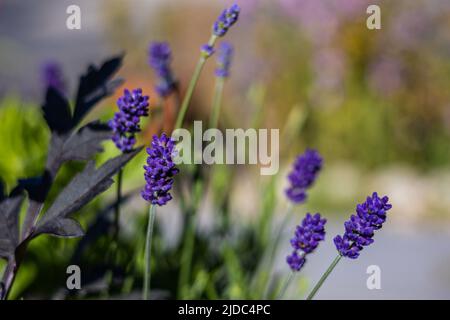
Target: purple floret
306	239
295	261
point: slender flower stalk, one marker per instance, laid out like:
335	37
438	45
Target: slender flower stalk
286	285
189	241
222	72
159	174
148	251
223	23
324	277
217	102
117	207
359	232
192	84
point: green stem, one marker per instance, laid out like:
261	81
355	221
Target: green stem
192	84
189	243
324	277
148	251
286	285
117	209
217	102
269	255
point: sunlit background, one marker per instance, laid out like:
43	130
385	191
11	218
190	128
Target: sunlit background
375	103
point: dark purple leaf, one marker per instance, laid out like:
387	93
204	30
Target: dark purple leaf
56	111
94	86
82	189
36	187
9	224
86	142
63	227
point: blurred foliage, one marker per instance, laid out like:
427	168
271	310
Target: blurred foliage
372	98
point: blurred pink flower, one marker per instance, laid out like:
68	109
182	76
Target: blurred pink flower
386	75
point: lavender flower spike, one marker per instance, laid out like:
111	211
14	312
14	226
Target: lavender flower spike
125	124
303	174
306	239
224	60
160	57
52	76
359	230
160	170
227	18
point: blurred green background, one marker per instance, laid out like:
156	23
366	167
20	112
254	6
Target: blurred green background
375	103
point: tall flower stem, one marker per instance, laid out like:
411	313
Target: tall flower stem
189	242
192	84
117	208
217	102
269	255
286	285
148	252
324	277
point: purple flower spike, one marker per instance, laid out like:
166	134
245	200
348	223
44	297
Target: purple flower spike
52	76
303	174
360	229
295	261
224	60
306	239
125	124
160	57
309	233
227	18
159	171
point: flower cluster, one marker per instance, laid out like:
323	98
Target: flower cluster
224	60
52	76
125	124
160	57
306	239
207	50
303	174
160	170
227	18
359	230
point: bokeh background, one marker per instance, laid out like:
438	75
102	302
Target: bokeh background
375	103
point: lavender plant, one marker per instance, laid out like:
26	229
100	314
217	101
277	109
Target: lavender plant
305	170
159	173
306	239
224	22
67	143
359	232
125	125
